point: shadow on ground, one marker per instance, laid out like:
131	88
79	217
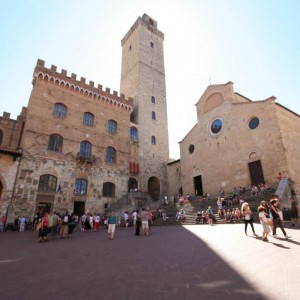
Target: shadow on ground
172	263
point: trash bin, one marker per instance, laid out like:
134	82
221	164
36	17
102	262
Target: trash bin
286	214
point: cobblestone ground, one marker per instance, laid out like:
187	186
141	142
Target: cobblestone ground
174	262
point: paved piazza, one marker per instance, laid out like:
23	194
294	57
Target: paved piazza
191	262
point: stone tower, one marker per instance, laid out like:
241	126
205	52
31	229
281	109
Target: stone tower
143	79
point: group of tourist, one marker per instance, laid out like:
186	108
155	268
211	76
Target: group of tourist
270	217
54	224
259	189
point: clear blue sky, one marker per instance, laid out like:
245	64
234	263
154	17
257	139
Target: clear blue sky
253	43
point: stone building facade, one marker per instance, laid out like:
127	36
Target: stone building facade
76	145
10	157
238	142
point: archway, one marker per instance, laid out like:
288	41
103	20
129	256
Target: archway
132	184
154	187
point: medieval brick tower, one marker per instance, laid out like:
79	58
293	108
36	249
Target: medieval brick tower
143	79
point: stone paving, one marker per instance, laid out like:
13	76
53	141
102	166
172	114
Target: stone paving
174	262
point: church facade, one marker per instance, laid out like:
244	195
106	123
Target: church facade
237	142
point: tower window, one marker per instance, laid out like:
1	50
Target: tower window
153	140
153	115
134	134
153	99
130	48
151	44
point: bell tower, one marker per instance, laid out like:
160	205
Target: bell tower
143	79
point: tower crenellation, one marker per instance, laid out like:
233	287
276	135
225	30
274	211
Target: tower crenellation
52	75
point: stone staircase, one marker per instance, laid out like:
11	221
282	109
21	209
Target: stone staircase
194	206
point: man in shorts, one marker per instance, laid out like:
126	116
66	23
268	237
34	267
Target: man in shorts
145	224
112	220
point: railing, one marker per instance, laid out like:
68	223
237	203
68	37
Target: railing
132	201
285	190
86	158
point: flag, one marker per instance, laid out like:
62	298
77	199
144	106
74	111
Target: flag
58	189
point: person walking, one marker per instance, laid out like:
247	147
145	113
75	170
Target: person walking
247	213
265	205
210	213
44	227
262	213
112	220
276	219
145	224
64	226
22	223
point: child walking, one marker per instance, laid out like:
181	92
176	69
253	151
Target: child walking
262	213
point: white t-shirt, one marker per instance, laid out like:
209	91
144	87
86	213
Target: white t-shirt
262	217
134	215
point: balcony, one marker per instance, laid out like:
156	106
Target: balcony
86	158
15	152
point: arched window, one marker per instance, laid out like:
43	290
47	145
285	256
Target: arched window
153	99
55	142
153	140
47	183
134	134
88	119
80	186
60	110
85	149
110	155
153	115
112	126
108	189
1	136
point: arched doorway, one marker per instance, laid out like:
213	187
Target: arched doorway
132	184
256	172
154	187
